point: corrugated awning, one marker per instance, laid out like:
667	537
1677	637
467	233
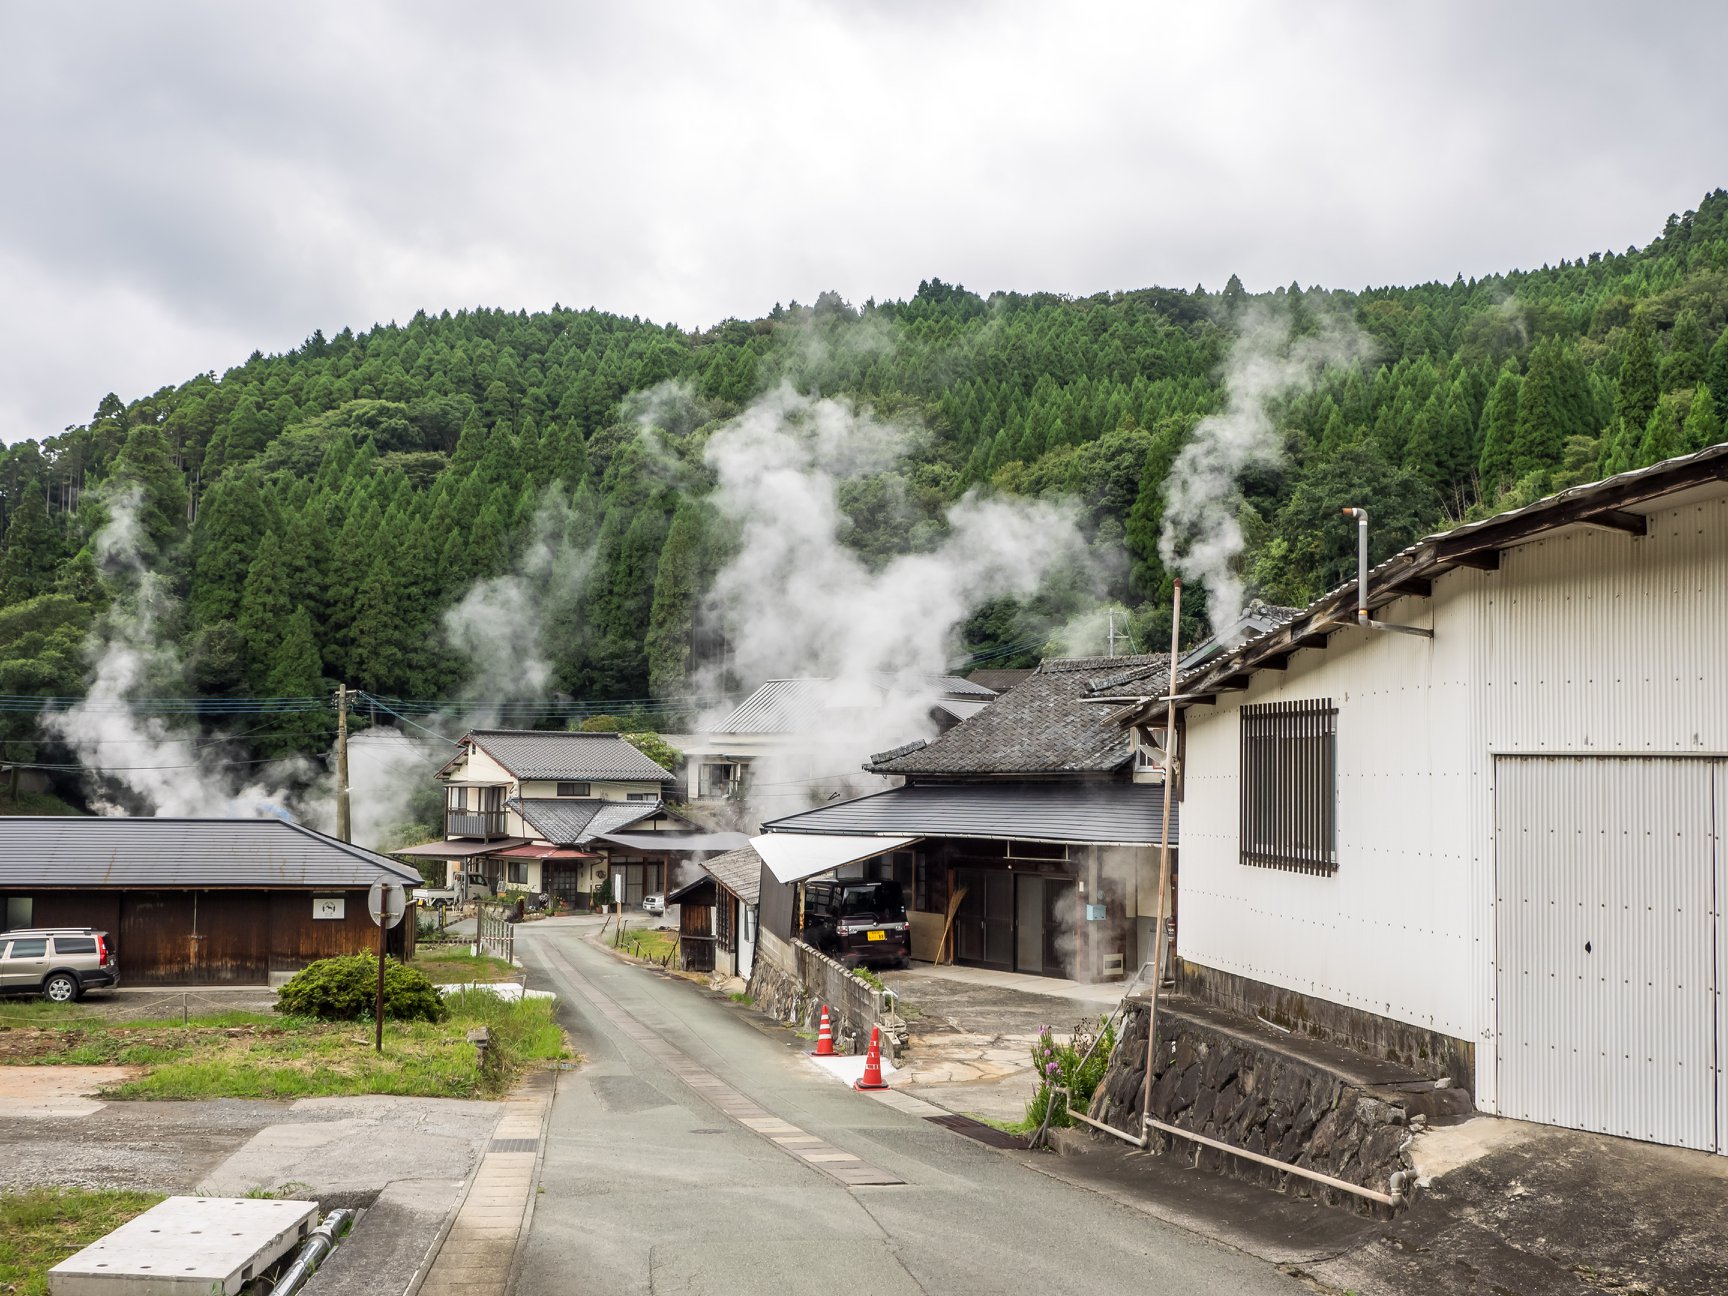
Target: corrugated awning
544	853
713	841
792	857
449	850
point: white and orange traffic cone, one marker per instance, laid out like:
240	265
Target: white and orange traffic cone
873	1063
824	1037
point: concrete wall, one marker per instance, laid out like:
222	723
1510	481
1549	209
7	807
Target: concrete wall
1584	642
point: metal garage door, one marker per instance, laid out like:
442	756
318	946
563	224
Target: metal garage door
1606	945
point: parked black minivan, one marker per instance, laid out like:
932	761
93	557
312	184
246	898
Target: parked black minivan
858	922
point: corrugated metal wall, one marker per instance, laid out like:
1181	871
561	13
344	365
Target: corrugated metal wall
1606	931
1584	643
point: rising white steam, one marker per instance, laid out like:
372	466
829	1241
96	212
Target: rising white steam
502	625
1202	536
139	764
795	602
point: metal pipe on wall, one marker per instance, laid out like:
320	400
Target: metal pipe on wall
1159	940
1385	1199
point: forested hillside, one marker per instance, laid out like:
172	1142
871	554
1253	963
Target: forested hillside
318	511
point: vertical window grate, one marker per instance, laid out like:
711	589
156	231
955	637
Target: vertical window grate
1289	786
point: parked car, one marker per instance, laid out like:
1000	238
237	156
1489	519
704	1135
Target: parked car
468	886
654	903
58	963
859	923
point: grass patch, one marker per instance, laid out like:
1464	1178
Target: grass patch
646	942
40	1227
36	803
454	965
742	998
261	1055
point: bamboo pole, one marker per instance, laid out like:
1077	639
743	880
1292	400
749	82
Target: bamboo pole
1158	940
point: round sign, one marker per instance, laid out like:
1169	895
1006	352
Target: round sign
386	902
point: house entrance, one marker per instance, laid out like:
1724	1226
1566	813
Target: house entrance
1610	946
1015	921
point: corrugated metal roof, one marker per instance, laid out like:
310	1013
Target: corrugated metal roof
572	821
739	871
547	754
791	705
1614	501
1123	814
172	853
1044	725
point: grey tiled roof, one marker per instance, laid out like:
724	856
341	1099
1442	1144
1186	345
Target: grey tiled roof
791	705
739	871
1044	725
122	852
575	821
1000	680
1126	814
548	754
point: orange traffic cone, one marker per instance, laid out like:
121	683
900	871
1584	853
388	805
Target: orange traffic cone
824	1037
873	1063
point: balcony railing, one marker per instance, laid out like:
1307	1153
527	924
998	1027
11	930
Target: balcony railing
474	823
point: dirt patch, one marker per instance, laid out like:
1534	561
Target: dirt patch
48	1046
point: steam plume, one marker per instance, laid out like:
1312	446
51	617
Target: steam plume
148	765
1202	537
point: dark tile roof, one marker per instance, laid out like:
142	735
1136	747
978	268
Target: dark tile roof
793	705
124	852
574	821
549	754
1124	814
1000	680
1044	725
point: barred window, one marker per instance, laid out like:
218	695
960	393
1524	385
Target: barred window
1289	786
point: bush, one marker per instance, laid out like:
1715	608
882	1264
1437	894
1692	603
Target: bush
346	989
1075	1066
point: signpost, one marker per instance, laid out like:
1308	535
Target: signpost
386	902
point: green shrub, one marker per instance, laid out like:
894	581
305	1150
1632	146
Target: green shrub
346	989
1075	1066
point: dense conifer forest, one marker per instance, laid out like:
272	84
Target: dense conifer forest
316	512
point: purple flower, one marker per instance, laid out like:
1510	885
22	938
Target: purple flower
1051	1068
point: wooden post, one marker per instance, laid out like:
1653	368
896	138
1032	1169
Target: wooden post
343	817
383	930
1158	941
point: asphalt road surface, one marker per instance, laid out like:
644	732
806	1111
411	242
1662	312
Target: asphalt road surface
697	1152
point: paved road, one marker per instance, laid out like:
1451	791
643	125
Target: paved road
697	1153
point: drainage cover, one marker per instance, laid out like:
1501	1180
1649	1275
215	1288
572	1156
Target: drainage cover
201	1246
514	1145
979	1130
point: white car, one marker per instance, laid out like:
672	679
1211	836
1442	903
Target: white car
654	904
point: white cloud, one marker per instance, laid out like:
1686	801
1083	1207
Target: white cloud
191	181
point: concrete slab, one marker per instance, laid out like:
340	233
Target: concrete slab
848	1070
208	1246
58	1093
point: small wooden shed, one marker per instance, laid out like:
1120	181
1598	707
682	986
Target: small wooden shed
197	901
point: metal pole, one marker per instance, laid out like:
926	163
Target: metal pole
1158	939
343	828
378	1013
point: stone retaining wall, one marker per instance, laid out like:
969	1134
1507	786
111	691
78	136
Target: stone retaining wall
1267	1098
795	980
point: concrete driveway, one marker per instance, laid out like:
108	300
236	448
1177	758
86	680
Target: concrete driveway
971	1033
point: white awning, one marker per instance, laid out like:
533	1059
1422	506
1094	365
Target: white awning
792	857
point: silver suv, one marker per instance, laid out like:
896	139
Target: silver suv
58	963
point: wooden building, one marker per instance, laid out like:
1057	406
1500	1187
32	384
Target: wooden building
197	901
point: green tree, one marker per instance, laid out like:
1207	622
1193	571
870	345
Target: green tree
231	526
31	553
687	564
1500	430
1555	403
147	462
296	670
265	605
1702	428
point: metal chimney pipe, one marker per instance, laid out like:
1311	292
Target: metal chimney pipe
1361	516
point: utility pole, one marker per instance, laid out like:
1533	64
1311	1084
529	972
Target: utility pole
343	817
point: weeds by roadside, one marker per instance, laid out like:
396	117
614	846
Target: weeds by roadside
1075	1066
40	1227
261	1055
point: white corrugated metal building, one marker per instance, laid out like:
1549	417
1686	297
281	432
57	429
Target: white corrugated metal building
1513	834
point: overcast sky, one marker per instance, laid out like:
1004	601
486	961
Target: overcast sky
184	183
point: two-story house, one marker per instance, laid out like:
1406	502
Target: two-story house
780	716
543	811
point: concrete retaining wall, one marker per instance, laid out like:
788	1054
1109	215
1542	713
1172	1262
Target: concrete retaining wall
1290	1100
791	981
